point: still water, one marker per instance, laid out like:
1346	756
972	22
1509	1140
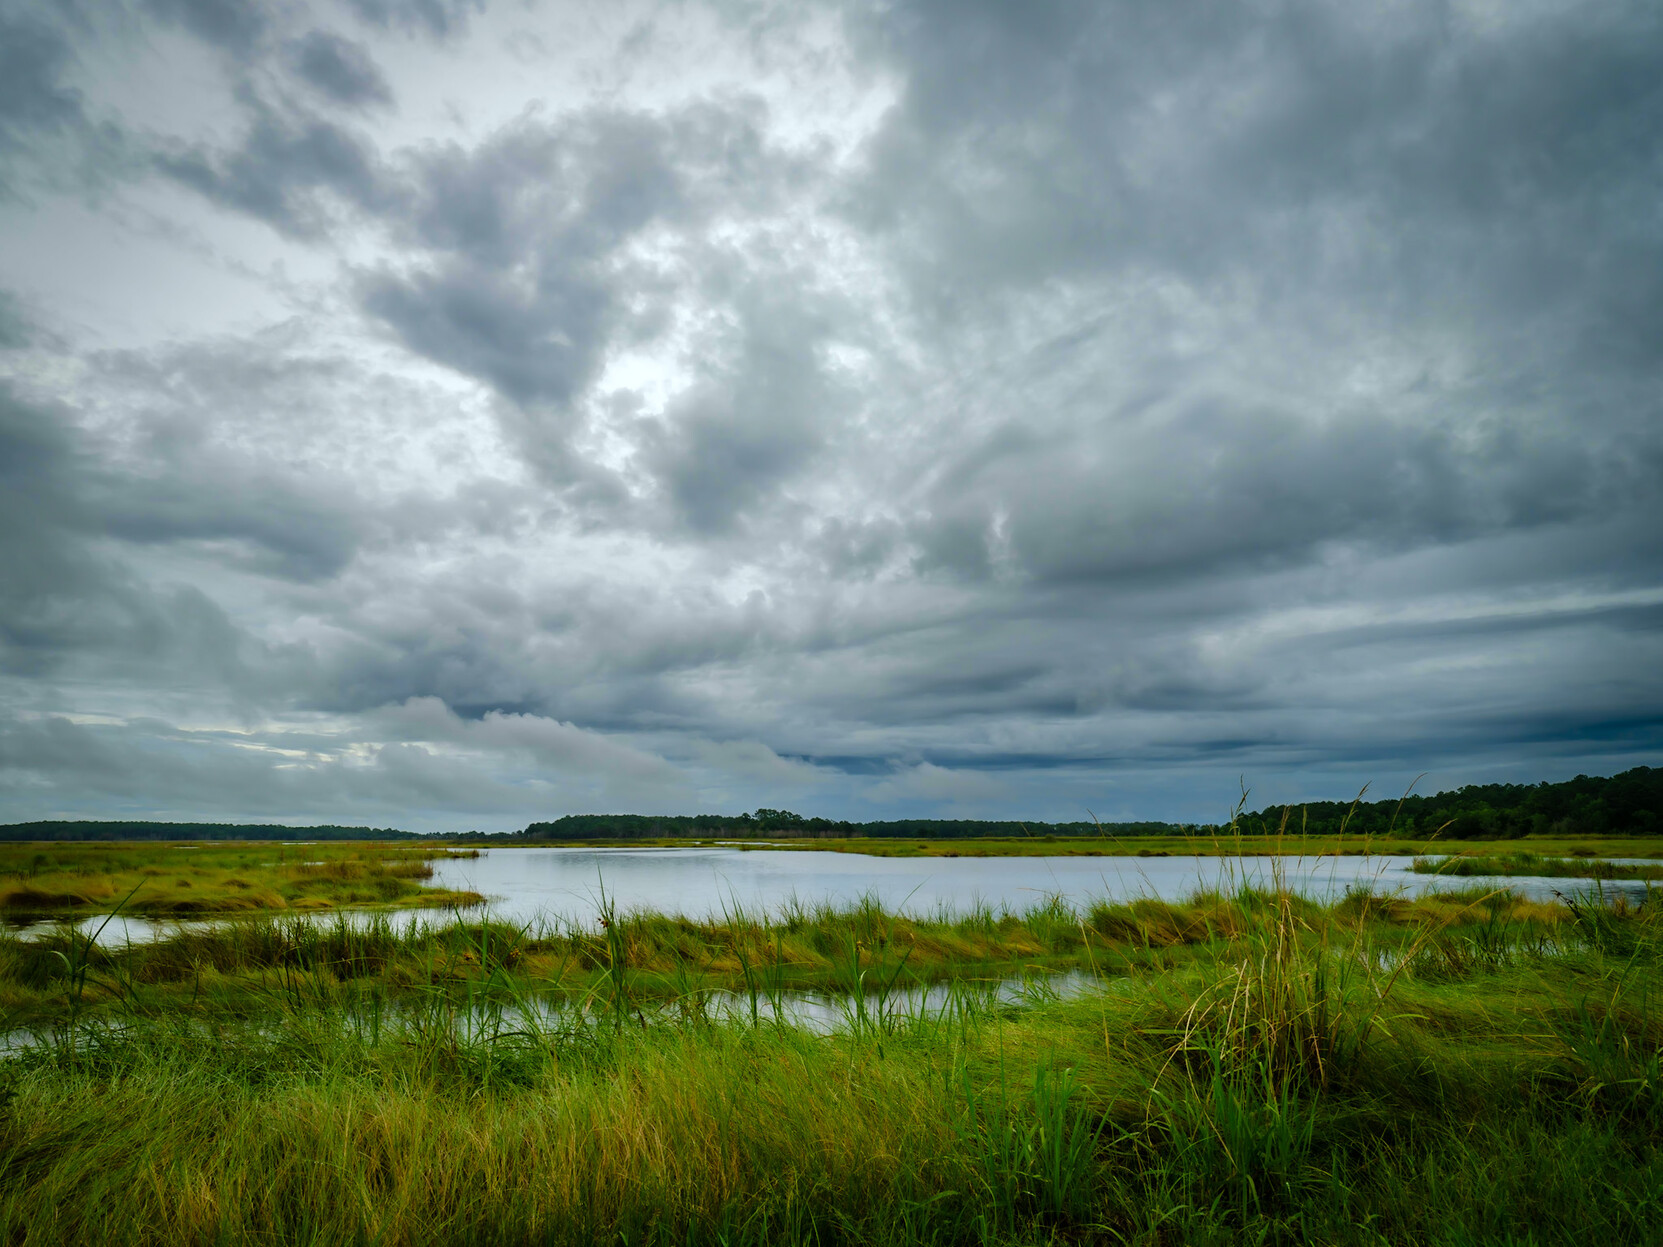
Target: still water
567	885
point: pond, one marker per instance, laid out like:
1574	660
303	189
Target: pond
568	883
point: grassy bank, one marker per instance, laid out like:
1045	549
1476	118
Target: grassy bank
50	880
648	960
1534	864
46	881
1256	1068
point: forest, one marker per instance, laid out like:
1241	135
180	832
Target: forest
1629	804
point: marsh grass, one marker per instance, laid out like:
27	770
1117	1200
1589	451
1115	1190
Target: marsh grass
195	880
1255	1067
630	961
1522	863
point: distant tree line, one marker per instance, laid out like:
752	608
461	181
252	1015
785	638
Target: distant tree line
765	823
120	830
1630	804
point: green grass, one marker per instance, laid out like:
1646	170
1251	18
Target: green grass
237	966
192	880
1256	1068
160	880
1532	864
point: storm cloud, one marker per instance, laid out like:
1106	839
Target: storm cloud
339	69
455	414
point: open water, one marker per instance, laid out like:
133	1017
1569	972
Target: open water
562	886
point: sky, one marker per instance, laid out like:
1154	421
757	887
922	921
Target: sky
451	414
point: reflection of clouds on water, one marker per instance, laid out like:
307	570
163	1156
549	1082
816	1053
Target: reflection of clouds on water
560	886
818	1012
525	884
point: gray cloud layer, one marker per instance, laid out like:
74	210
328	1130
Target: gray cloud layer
962	408
341	70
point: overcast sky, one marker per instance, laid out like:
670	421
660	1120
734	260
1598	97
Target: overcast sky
453	413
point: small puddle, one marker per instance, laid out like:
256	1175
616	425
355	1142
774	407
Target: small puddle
824	1013
818	1013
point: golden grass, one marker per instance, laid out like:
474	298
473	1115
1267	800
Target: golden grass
186	880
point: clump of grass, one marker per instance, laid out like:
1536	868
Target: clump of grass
1532	864
159	882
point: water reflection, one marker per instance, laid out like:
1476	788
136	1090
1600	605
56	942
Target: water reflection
568	886
704	883
548	1018
826	1012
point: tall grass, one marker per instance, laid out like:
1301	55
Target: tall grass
1254	1067
1534	864
162	881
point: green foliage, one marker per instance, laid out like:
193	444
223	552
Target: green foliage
194	880
1629	804
764	823
1533	864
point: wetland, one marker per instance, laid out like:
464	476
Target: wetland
766	1046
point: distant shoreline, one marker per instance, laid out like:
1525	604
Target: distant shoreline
1627	806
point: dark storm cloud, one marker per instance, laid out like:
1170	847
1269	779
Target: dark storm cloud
290	170
1215	485
47	139
76	509
585	650
180	479
236	26
1173	389
36	551
341	70
739	433
64	598
215	471
1412	170
439	18
211	466
525	277
16	326
33	95
521	233
1337	183
1194	136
